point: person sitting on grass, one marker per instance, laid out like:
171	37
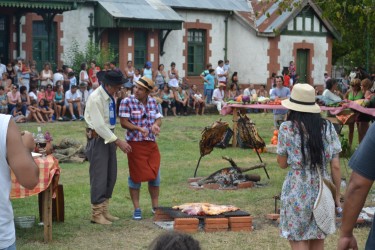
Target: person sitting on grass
50	96
41	93
17	115
34	113
45	110
25	99
73	103
59	103
168	100
218	96
181	101
3	101
196	100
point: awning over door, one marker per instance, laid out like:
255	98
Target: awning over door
150	14
40	4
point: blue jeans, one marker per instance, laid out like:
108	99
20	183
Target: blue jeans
137	185
208	94
11	247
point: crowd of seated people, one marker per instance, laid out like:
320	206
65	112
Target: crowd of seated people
45	96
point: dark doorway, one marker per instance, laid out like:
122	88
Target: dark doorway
4	39
302	57
140	49
40	45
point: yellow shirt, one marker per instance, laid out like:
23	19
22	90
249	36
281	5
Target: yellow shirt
97	114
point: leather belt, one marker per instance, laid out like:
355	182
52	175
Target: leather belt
91	133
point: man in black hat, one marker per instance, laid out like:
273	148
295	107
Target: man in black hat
100	116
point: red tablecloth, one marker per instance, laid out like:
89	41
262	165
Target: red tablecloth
228	109
49	170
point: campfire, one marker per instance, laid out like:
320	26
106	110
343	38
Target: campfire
232	177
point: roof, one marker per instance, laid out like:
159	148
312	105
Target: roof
149	14
212	5
268	17
140	9
40	4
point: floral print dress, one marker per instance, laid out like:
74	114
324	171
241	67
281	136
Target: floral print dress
301	184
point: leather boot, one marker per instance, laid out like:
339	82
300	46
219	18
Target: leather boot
106	213
97	215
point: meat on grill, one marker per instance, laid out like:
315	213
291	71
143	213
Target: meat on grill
205	208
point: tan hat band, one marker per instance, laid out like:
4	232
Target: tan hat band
302	103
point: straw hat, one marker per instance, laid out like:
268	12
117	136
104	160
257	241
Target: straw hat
221	84
302	99
146	83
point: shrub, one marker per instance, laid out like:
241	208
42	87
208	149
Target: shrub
75	55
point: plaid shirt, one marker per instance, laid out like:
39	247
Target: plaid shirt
139	115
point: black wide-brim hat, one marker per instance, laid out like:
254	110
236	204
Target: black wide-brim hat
111	77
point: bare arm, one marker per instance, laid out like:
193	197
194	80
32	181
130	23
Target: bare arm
336	177
356	193
282	161
20	159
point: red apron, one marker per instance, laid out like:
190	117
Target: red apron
143	161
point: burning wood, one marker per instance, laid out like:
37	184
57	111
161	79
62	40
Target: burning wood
231	176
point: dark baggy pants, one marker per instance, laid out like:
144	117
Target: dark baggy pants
103	169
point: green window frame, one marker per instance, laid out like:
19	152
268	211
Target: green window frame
40	44
140	48
196	51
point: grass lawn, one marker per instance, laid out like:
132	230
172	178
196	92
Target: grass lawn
179	147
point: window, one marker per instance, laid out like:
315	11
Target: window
140	49
40	44
113	40
196	51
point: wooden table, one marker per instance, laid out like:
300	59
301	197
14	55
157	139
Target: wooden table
235	108
49	173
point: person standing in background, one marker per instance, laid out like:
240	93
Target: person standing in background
220	73
147	70
202	76
279	93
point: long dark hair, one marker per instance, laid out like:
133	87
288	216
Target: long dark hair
310	126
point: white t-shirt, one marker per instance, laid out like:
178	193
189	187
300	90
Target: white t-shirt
69	95
331	96
219	71
7	231
3	69
218	94
57	77
248	92
32	95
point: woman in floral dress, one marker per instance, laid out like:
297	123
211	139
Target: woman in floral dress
306	142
